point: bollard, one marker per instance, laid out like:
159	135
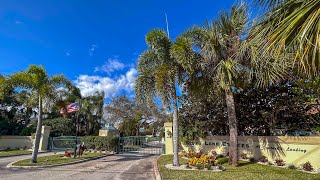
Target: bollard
75	152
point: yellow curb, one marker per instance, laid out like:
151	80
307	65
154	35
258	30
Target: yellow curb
156	169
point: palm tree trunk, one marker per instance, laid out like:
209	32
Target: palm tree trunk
175	133
233	129
38	133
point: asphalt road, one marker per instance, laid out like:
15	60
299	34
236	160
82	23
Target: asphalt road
116	167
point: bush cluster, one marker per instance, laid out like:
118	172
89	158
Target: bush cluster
263	159
104	143
307	166
279	162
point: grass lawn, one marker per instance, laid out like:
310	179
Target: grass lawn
13	152
246	170
55	159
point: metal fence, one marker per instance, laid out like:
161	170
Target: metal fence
141	145
63	143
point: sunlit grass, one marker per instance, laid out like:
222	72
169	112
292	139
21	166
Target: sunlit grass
246	170
13	152
55	159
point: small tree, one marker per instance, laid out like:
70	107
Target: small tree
36	79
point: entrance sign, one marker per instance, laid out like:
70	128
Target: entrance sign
292	149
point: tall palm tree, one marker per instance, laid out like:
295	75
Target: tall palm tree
35	79
218	43
293	26
159	75
220	52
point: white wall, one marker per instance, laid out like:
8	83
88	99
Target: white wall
14	142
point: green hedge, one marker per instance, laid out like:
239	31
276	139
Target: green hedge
105	143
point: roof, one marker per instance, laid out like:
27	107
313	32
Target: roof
109	127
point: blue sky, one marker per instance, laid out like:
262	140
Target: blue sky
94	43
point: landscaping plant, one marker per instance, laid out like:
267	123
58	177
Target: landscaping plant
243	156
279	162
263	159
307	166
252	159
291	166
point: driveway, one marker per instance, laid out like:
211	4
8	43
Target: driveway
116	167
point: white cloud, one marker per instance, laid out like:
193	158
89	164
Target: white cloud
92	48
110	66
111	86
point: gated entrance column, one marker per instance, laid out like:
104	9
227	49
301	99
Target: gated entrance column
168	137
45	132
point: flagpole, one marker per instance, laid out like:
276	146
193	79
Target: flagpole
75	148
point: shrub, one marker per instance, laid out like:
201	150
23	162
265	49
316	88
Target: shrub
212	153
220	156
204	160
108	143
263	159
270	163
189	154
243	156
307	166
252	159
222	160
199	166
279	162
208	166
291	166
221	168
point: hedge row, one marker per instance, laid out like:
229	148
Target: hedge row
105	143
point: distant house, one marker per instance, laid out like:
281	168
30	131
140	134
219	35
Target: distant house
108	130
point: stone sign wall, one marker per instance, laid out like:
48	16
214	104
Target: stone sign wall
292	149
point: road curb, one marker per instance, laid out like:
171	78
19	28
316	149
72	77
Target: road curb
10	165
156	169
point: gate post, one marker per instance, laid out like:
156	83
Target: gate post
168	138
45	132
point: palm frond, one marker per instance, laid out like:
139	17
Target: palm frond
148	61
145	90
294	26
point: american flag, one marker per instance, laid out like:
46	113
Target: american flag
73	107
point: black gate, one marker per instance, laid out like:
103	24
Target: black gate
141	145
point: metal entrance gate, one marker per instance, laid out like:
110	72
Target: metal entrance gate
141	145
63	143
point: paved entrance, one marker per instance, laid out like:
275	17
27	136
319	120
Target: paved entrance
116	167
141	145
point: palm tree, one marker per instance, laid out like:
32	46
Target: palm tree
293	26
219	51
37	80
218	44
159	75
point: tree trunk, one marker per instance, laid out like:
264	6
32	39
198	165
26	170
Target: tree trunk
38	133
233	130
175	133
